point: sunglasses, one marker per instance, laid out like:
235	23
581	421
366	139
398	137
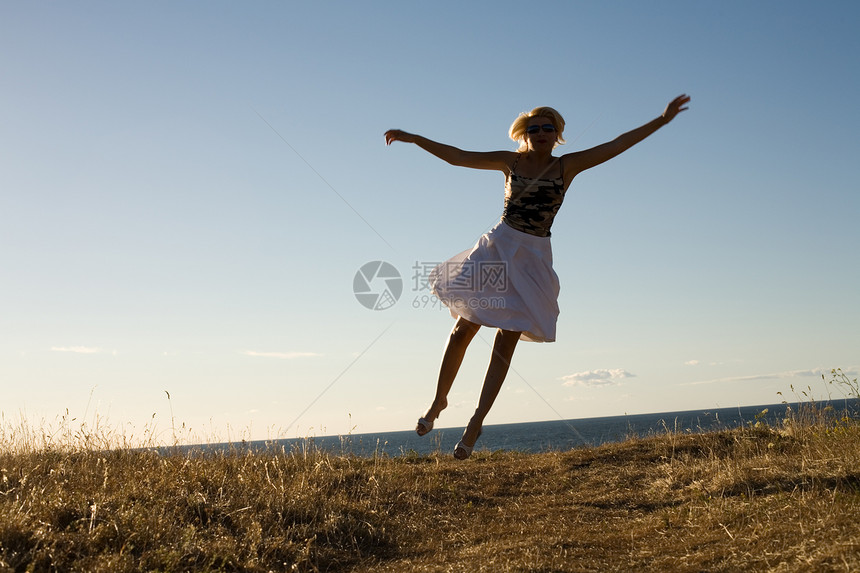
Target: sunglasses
547	128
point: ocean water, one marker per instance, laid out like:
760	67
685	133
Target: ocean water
555	435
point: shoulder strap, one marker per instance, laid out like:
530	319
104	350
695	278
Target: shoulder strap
514	166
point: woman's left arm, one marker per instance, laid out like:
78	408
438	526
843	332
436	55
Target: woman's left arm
581	160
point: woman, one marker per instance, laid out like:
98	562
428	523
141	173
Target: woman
506	281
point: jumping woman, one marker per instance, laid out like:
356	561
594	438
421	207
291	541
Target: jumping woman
506	281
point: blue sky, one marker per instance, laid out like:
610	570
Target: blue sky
188	190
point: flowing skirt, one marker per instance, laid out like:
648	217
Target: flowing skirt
505	281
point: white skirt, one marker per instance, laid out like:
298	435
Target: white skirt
505	281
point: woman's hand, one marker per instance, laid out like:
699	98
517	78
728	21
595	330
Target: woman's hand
675	107
393	135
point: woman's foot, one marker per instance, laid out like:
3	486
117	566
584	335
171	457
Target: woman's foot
425	424
463	450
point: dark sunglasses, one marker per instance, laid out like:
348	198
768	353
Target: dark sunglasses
547	128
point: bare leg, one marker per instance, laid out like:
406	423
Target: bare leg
459	339
503	351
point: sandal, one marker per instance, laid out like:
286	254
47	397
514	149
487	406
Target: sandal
462	451
424	426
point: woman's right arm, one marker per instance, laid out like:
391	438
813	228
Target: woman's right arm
496	160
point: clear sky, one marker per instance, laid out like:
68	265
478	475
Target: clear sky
188	190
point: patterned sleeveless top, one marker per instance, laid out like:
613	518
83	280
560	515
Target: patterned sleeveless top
531	204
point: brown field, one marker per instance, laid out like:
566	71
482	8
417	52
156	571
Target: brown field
755	499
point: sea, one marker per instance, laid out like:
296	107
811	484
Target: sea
546	436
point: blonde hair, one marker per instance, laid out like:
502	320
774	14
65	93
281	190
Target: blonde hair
517	132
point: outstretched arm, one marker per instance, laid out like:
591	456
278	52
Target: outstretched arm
498	160
580	161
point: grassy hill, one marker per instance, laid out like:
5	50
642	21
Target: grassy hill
760	498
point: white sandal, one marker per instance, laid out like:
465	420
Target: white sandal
425	424
466	450
462	451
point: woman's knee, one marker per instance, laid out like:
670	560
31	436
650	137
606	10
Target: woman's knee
507	339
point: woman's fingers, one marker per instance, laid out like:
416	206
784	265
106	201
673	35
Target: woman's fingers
681	102
676	106
393	135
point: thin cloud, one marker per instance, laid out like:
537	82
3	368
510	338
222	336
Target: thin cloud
601	377
700	363
280	355
77	349
816	373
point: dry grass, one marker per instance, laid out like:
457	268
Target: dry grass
755	499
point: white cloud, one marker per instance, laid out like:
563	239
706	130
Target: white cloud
691	363
77	349
600	377
281	355
816	373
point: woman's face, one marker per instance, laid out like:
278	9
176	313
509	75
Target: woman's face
540	133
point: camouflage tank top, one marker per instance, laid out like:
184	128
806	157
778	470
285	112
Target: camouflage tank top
531	204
